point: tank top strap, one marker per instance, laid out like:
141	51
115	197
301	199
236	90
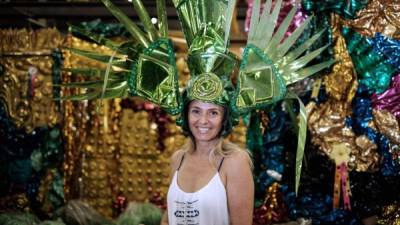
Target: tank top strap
180	163
220	164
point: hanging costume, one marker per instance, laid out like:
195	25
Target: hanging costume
146	66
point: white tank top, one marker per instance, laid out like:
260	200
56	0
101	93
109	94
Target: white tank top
207	206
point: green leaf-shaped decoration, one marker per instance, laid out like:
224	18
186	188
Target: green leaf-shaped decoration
155	76
259	83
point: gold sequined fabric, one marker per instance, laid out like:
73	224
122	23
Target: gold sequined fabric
381	16
390	214
27	80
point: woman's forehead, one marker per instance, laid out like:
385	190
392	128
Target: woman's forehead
204	105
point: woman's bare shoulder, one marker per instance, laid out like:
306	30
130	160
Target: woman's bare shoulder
239	158
176	158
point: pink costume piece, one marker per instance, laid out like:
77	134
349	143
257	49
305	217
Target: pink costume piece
286	7
390	99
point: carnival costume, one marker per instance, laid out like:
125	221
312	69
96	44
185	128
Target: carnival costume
146	66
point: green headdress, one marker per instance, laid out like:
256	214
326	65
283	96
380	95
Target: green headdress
146	66
206	25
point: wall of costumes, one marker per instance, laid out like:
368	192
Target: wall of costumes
107	162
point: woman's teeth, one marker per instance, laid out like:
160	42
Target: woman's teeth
203	130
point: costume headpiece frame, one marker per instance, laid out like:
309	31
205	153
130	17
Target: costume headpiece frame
146	66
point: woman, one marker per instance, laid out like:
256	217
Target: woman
212	182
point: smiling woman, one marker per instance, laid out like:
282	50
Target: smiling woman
212	181
211	177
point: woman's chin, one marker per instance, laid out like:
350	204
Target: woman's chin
204	137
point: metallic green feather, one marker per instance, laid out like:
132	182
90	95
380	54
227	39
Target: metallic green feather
280	33
289	42
145	18
99	39
94	91
301	62
202	19
131	27
228	16
301	138
308	71
265	30
265	37
254	22
119	62
292	55
162	18
89	72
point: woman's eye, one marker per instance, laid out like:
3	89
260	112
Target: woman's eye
214	113
195	111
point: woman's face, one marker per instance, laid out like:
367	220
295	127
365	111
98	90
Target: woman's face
205	120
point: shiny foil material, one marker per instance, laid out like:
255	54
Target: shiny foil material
390	215
287	5
268	63
260	87
145	67
379	16
327	124
273	209
390	165
206	25
327	121
272	156
388	126
318	207
346	9
362	123
390	99
372	68
26	82
341	83
193	15
318	23
389	47
155	77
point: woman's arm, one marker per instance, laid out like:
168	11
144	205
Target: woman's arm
240	188
164	220
174	162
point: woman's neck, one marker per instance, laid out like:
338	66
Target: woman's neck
204	148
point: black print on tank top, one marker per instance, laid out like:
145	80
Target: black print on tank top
187	213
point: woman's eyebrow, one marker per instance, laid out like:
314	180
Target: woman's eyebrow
217	109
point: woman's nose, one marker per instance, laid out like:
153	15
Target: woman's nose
203	118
